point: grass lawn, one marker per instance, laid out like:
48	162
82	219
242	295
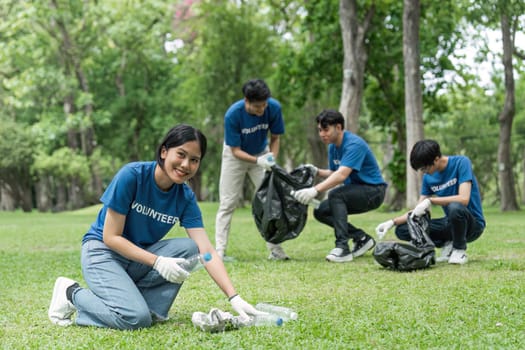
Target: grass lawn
357	305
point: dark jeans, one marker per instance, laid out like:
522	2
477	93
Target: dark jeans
345	200
460	227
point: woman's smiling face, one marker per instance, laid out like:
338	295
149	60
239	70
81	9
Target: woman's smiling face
181	162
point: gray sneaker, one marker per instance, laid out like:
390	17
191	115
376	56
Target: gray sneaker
61	309
446	250
225	258
339	255
277	253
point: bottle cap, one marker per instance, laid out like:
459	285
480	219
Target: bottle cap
279	321
206	257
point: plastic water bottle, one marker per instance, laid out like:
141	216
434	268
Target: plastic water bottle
257	320
195	262
266	320
314	202
285	313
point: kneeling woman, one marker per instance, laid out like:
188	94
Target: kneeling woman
133	274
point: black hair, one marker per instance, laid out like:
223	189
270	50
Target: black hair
179	135
423	154
256	90
330	117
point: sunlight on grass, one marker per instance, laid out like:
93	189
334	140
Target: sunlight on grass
357	305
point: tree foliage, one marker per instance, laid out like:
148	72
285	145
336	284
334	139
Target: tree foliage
88	85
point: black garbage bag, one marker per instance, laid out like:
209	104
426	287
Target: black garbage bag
278	215
419	253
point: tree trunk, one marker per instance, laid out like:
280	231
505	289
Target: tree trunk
318	149
7	202
523	184
394	198
43	196
506	175
61	197
413	95
354	62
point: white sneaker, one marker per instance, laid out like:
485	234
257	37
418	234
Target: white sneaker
61	309
339	255
276	252
458	256
446	250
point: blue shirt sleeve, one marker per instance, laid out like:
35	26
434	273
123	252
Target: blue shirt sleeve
121	191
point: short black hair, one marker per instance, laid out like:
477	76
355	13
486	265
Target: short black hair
179	135
256	90
423	154
330	117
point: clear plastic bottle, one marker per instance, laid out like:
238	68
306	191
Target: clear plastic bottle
285	313
258	320
266	320
195	262
314	202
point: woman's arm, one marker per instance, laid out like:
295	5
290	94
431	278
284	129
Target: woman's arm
112	236
215	266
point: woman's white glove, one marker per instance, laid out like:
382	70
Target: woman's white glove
266	161
420	209
383	228
305	195
170	269
243	308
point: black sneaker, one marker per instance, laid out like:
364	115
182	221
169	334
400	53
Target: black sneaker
363	245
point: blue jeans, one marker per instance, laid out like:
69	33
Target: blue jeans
345	200
460	227
124	294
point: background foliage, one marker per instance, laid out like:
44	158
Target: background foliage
87	86
358	305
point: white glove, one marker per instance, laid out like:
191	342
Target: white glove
312	168
305	195
266	161
170	269
243	308
420	209
382	228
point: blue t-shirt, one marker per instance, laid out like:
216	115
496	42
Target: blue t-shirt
150	212
355	153
250	132
446	183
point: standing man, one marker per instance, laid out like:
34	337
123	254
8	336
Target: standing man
448	181
246	151
356	185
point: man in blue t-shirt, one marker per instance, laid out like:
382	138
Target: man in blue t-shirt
355	183
448	181
246	152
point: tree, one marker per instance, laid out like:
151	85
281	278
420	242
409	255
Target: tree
413	99
17	156
506	116
231	44
507	15
355	57
306	78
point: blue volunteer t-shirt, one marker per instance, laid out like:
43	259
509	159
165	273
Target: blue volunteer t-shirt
355	153
250	132
446	183
150	212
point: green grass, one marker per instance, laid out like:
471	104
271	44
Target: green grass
357	305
